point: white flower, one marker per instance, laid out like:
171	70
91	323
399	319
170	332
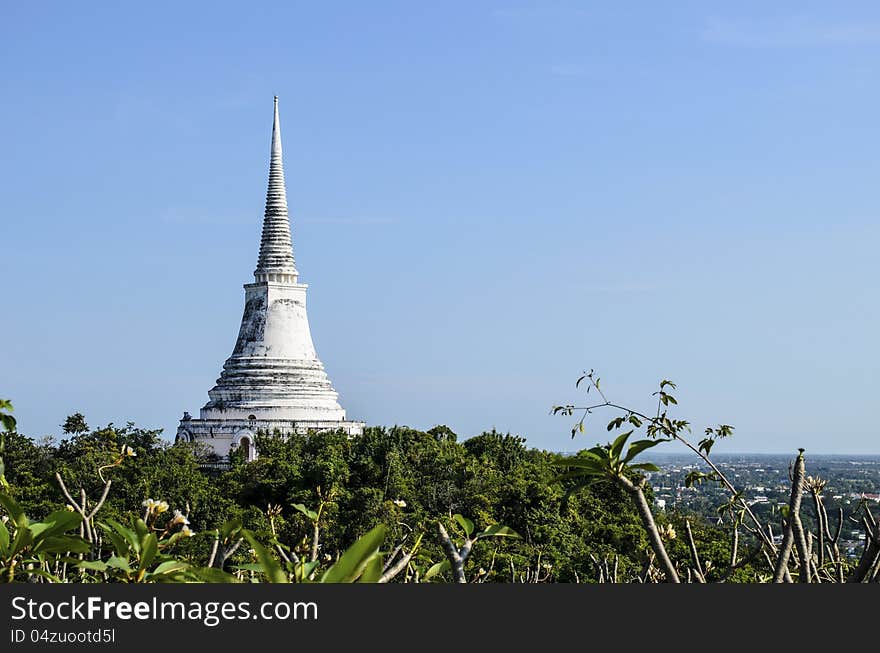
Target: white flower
69	508
668	533
186	532
128	451
179	518
400	503
4	519
154	505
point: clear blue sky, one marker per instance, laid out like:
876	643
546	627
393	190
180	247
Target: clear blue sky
487	198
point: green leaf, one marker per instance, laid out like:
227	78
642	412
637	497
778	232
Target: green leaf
212	575
355	558
8	422
176	536
129	535
169	567
117	562
617	446
94	565
497	530
23	539
4	540
582	459
646	467
466	524
639	446
311	514
305	569
438	568
582	473
372	570
56	523
565	410
582	466
141	529
588	465
271	568
63	544
149	549
16	514
119	542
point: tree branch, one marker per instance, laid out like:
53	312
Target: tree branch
456	561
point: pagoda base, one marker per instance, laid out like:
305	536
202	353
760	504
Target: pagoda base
224	436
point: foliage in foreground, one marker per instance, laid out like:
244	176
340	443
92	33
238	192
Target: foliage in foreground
380	508
309	499
802	554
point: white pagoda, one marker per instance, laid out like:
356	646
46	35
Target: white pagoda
273	381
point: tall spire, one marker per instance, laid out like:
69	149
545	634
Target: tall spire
273	381
276	249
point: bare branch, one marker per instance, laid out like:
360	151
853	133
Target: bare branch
396	568
101	500
788	539
456	561
693	547
69	498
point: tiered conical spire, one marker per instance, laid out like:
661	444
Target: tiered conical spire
276	249
274	370
274	380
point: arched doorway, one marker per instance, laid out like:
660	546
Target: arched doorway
247	448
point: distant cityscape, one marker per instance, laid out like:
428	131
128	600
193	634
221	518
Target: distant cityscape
764	481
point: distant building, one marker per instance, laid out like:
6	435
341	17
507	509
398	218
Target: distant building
273	381
867	496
